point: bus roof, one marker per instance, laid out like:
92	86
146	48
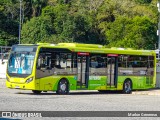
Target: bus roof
94	48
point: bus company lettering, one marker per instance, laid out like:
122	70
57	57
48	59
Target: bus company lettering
142	72
94	78
126	71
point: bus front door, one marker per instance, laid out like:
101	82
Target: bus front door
112	68
83	71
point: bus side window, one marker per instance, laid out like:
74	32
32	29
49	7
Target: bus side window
48	63
39	62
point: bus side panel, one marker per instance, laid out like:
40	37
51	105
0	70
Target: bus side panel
47	83
121	80
138	82
51	83
71	79
72	82
97	83
144	82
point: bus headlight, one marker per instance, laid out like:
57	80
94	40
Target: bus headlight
7	79
29	80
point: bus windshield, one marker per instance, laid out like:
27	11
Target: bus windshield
21	62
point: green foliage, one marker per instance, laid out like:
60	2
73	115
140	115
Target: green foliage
143	1
37	6
65	27
122	23
8	30
138	33
36	30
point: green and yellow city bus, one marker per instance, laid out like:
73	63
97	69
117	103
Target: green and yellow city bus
71	66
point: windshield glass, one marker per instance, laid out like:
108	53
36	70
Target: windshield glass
21	62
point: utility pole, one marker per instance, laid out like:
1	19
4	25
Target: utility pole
20	23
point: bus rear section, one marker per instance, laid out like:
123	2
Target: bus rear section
119	71
131	72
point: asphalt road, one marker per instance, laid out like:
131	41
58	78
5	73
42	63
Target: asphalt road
25	100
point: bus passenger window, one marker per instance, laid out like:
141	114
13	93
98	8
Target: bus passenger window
98	64
44	62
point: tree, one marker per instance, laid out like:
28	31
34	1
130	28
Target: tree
126	23
143	1
8	26
37	30
138	33
37	6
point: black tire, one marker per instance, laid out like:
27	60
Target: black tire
127	87
36	91
63	87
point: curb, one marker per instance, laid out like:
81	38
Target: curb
154	92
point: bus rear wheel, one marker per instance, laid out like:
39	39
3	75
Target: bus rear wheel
36	91
63	87
127	87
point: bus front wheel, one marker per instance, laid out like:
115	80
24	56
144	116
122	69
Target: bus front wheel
36	91
63	87
127	87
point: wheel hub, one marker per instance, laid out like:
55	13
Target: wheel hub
127	86
63	87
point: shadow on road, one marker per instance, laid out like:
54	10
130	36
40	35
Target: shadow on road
74	93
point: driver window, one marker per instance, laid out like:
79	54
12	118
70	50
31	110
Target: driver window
44	66
40	61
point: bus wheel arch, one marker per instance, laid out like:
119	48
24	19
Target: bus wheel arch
127	86
63	86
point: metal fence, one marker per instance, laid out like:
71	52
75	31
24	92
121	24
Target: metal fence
4	52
